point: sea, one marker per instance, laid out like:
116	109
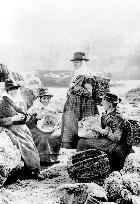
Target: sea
130	110
120	87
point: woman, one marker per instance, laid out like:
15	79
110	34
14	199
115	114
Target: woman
80	101
47	140
14	120
115	135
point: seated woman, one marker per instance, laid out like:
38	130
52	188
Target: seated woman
115	134
43	123
14	120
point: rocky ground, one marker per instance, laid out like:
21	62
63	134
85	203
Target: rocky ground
38	192
41	192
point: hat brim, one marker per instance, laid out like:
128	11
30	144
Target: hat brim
12	87
79	60
45	95
110	100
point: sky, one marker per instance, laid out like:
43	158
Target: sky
44	34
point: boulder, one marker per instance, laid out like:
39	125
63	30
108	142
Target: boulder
121	187
132	162
10	157
81	193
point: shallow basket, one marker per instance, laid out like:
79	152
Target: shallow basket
89	166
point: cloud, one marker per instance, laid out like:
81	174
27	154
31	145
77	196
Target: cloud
35	32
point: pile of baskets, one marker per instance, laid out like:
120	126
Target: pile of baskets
89	166
135	129
102	86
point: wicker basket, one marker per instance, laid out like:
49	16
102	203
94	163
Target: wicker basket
102	86
135	128
89	166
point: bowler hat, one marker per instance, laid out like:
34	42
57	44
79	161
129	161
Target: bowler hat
44	92
79	56
10	84
112	98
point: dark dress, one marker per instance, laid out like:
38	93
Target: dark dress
47	145
79	104
117	144
19	133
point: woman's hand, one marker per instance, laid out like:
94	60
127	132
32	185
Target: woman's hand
97	128
88	87
39	116
18	117
105	131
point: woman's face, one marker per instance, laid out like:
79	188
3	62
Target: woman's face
106	105
77	64
45	100
13	92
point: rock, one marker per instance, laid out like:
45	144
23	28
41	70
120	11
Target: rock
57	174
28	96
120	187
132	182
132	162
8	197
81	193
113	185
135	199
10	157
108	203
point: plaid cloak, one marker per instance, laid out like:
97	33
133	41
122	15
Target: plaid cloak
79	104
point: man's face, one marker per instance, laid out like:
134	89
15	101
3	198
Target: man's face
77	64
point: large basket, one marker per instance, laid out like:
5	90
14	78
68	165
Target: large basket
102	86
89	166
135	129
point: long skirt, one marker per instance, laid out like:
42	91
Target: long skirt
76	108
116	153
47	146
22	138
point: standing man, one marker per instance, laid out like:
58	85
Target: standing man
80	101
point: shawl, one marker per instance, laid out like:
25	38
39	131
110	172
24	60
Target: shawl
83	70
38	108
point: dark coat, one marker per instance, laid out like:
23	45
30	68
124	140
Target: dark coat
19	133
47	146
117	144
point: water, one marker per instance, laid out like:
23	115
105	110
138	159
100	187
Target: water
128	85
59	92
131	111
